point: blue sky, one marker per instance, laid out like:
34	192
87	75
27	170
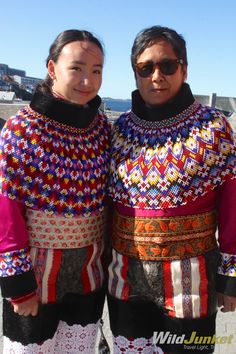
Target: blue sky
209	27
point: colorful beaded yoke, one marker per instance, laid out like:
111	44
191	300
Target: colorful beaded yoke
164	164
53	167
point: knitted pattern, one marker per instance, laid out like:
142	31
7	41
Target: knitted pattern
54	167
15	262
228	265
171	162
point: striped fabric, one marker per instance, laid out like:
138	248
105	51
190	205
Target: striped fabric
185	285
117	285
48	265
92	274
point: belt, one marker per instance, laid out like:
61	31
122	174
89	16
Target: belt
157	238
58	232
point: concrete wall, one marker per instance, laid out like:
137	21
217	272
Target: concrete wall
8	110
227	104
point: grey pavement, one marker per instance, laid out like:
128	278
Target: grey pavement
225	331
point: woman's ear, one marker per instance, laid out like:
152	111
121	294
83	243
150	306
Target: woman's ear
51	69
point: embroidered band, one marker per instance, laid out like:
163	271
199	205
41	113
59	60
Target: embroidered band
15	262
58	232
164	237
228	265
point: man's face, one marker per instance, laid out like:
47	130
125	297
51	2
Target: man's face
158	88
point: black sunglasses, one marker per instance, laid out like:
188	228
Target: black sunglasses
166	66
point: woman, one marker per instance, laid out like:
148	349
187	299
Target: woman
54	163
172	183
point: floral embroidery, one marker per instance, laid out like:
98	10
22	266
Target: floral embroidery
58	232
164	237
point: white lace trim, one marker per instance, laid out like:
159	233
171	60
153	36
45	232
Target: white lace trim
135	346
74	339
10	347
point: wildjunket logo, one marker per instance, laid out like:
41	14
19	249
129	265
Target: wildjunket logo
169	338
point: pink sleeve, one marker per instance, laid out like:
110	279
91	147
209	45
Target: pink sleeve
226	277
13	233
227	217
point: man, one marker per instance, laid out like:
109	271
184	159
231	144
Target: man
172	183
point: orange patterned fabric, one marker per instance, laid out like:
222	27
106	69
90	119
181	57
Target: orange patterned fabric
164	237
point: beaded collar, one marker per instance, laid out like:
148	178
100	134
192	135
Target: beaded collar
53	167
154	166
165	122
178	104
157	133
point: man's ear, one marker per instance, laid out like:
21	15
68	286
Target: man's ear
185	71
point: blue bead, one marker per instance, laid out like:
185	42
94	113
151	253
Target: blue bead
207	116
185	132
162	138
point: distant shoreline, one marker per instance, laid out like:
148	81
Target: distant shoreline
112	115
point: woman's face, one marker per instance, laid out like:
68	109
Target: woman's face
77	74
157	89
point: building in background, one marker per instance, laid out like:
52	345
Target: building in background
12	79
5	70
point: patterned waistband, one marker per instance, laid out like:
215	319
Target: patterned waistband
157	238
58	232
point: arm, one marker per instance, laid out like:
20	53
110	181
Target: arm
227	303
16	272
27	305
226	278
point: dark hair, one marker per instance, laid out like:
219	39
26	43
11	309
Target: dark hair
55	49
151	35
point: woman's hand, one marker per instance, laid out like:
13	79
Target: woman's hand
226	302
28	307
